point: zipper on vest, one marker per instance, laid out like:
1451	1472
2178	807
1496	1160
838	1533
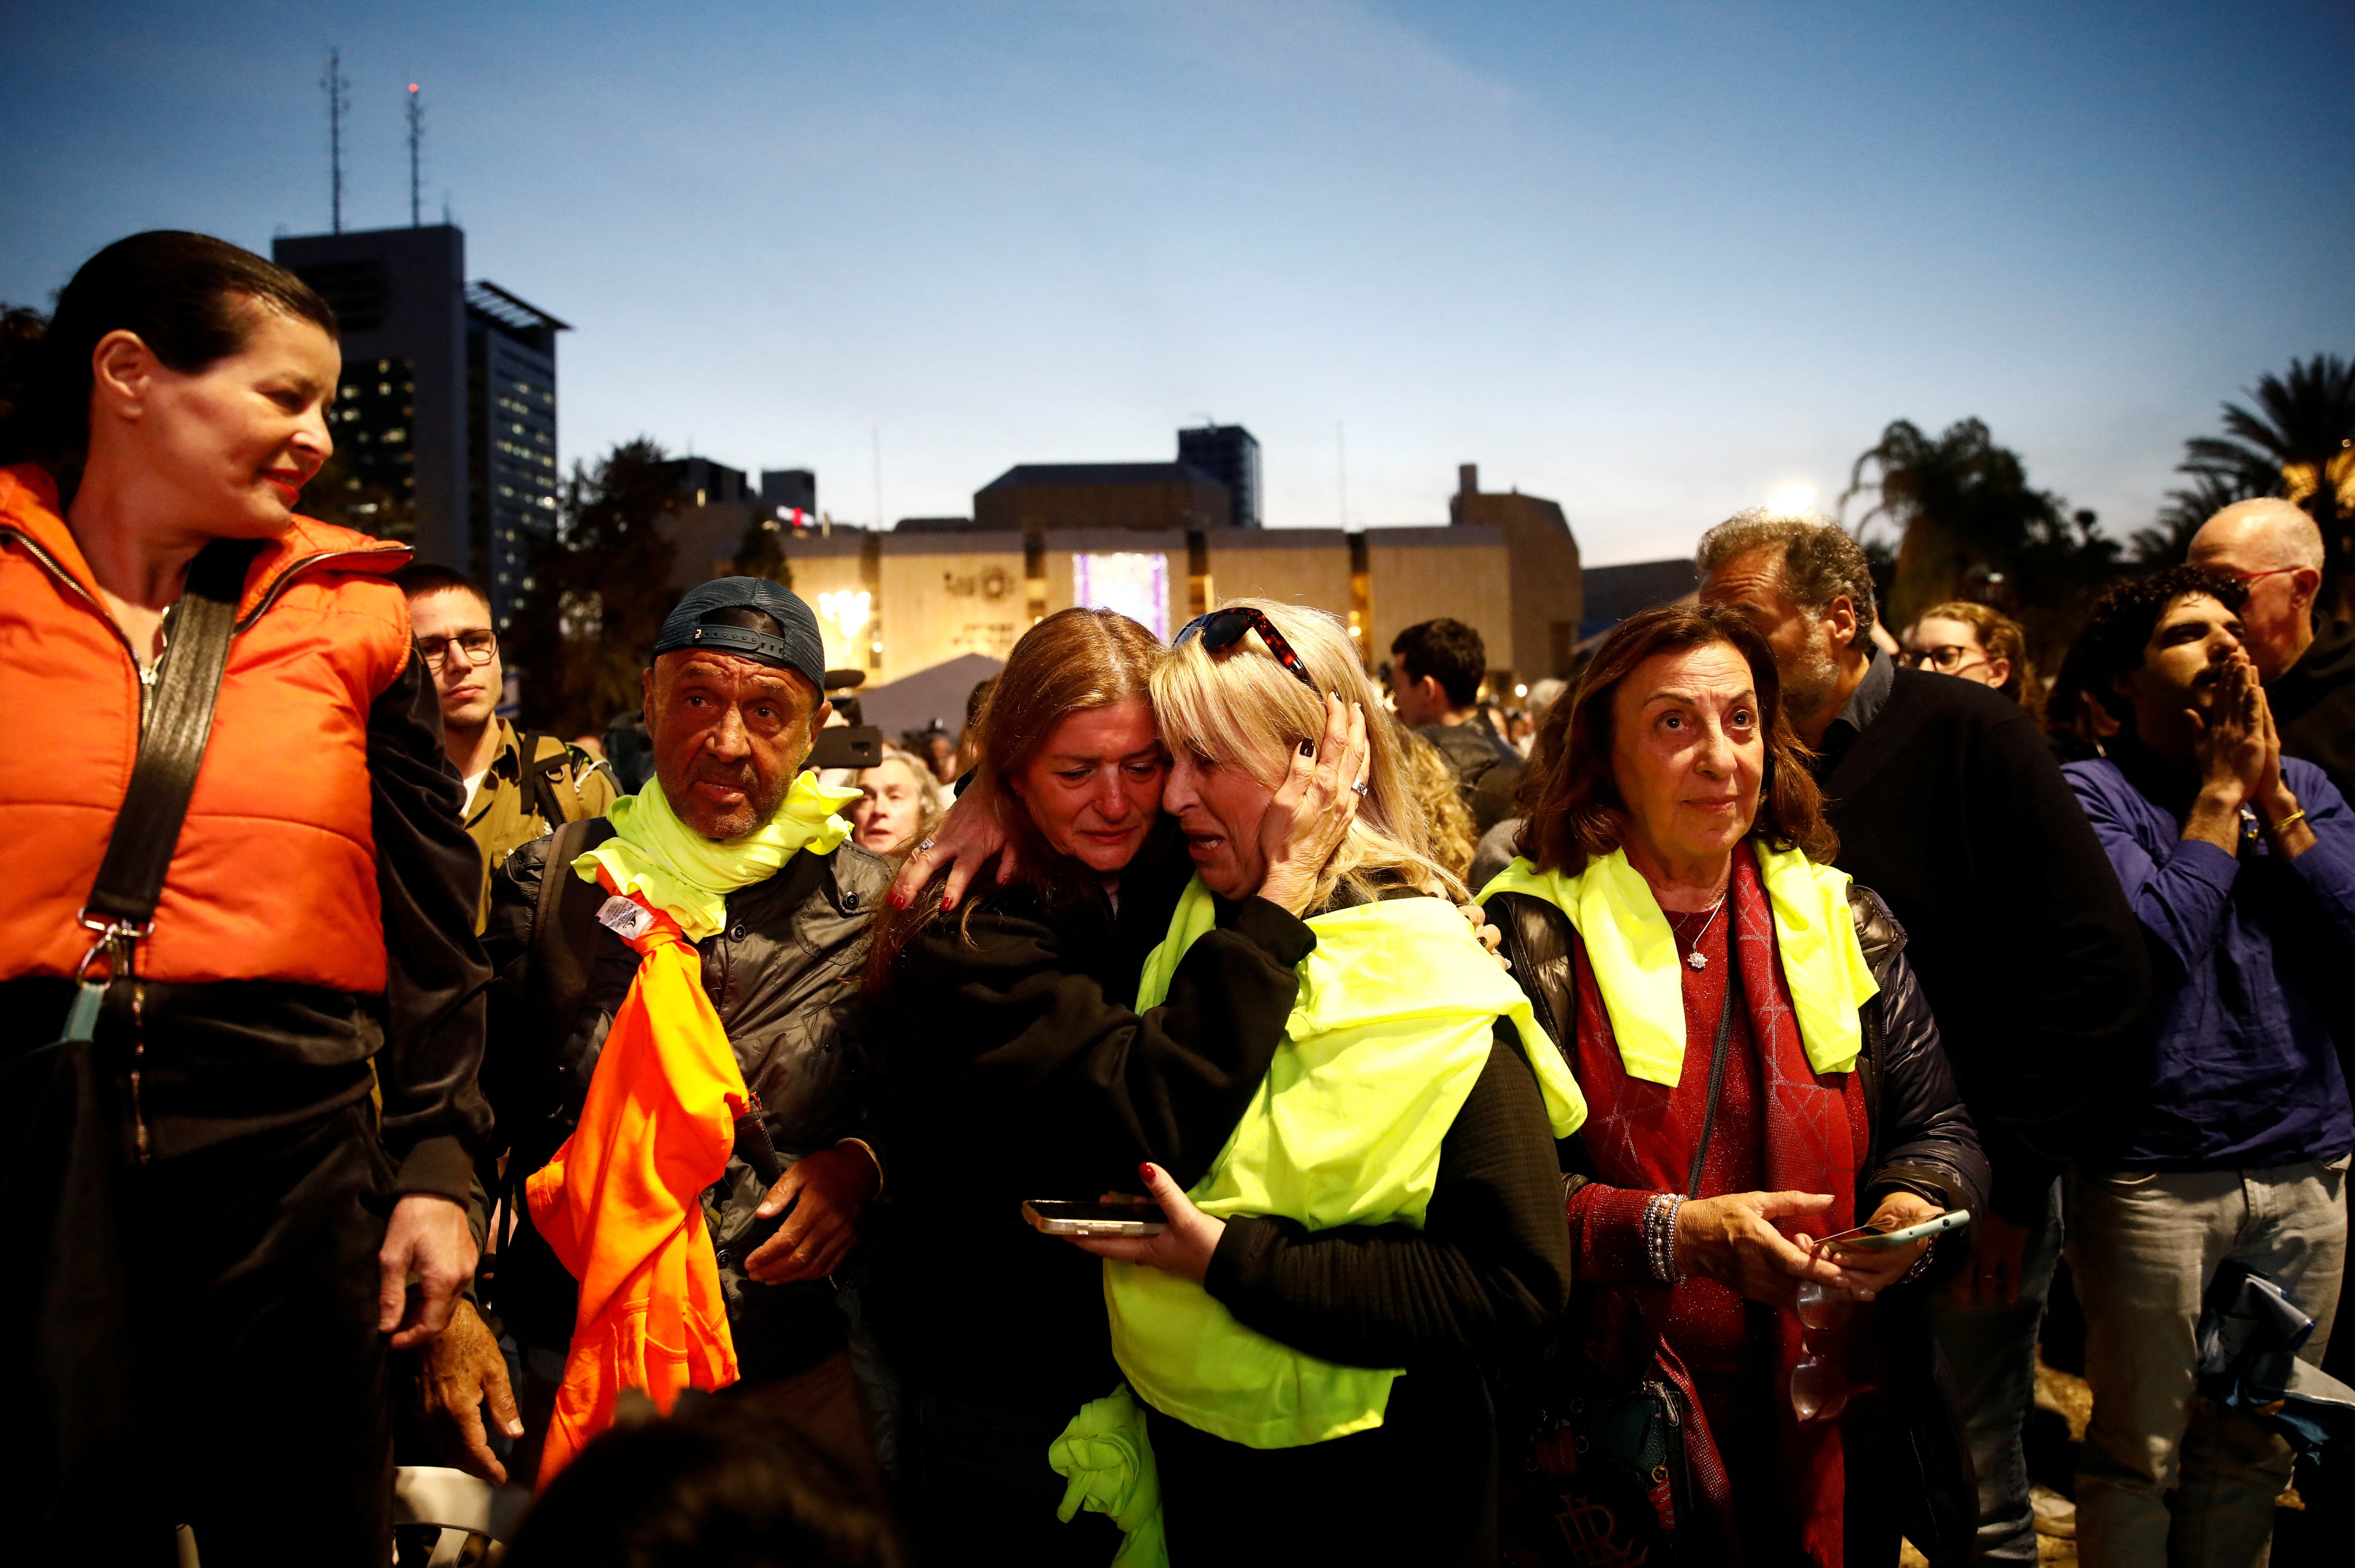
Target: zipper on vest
138	1060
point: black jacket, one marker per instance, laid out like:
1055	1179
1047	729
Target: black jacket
1950	807
785	977
1921	1140
2313	702
1487	769
1017	1068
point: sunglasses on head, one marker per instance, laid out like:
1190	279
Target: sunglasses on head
1222	628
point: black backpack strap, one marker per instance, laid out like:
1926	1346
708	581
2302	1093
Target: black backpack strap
175	726
564	927
540	775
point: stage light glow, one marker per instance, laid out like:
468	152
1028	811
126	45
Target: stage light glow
848	609
1792	501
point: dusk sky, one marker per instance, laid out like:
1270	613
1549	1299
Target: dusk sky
1654	262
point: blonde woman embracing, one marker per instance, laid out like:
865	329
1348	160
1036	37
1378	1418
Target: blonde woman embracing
1303	1345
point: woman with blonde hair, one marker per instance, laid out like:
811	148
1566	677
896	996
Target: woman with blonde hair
1018	1068
1303	1344
1978	643
1445	820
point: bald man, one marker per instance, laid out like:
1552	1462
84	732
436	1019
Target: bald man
2306	662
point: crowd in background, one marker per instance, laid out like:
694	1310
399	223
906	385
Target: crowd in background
1217	1106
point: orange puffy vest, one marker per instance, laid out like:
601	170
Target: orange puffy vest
275	875
620	1203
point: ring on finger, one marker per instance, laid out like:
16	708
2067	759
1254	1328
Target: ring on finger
1362	788
925	846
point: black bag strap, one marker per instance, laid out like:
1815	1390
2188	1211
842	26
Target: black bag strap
175	724
172	740
1717	1058
540	776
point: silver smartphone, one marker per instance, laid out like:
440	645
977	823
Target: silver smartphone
1867	1239
1060	1217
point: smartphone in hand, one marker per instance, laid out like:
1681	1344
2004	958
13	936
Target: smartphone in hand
1867	1239
1062	1217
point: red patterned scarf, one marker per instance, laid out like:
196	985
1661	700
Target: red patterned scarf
1642	1137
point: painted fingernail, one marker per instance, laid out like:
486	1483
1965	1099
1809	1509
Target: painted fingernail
1307	749
1145	1170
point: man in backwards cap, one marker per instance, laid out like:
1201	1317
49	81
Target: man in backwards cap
732	840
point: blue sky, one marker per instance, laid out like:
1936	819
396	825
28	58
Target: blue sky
1654	262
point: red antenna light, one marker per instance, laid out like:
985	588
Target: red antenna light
412	86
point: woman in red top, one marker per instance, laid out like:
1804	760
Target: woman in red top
1672	895
282	1105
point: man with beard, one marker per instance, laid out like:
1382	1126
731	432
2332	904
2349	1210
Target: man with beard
743	850
2229	1143
1949	806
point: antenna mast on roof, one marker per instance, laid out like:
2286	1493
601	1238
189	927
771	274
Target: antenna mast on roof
338	100
416	134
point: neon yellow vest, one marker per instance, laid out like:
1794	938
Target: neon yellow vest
1397	1012
1640	974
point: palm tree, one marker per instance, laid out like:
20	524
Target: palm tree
2181	516
2298	442
1973	527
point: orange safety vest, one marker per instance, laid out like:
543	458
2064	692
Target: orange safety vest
620	1203
274	877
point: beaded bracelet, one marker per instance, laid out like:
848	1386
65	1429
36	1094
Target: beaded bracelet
1660	1236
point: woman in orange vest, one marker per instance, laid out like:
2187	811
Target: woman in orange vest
275	1128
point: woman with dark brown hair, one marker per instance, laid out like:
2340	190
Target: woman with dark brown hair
239	1121
1762	1073
1017	1069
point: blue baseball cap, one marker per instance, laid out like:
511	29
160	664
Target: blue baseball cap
798	646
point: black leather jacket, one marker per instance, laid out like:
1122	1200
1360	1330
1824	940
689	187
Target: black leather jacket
1922	1140
784	975
1921	1135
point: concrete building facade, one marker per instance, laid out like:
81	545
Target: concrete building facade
1546	589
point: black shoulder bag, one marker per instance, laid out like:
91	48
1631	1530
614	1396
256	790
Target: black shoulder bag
67	1317
1607	1479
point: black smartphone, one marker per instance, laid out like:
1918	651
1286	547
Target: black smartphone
1057	1217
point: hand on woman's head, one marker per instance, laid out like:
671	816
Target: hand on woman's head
1309	815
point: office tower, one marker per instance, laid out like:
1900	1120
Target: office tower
785	489
510	439
437	378
1230	454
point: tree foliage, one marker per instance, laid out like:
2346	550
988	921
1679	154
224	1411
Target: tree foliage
2169	542
2297	440
1971	528
761	552
600	588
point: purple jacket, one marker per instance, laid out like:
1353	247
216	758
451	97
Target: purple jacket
2250	960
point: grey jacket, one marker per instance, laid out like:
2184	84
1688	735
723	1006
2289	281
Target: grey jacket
785	977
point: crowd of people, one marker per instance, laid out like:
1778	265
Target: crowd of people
1241	1114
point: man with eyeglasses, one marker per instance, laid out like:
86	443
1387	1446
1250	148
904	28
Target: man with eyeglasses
2306	660
519	786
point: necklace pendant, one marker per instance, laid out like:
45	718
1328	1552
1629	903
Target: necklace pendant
1697	959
